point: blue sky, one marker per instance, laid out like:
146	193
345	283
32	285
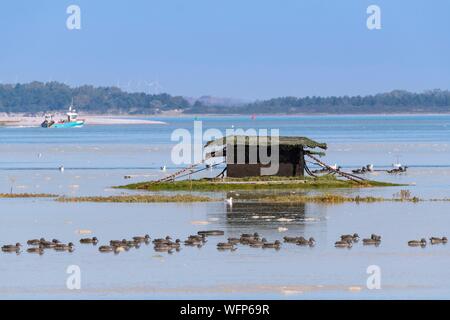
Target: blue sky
251	49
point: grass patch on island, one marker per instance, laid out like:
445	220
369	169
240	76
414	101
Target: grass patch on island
254	183
330	199
138	199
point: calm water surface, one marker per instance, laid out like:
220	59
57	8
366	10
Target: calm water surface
98	157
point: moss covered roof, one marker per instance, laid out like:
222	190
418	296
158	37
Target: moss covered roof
253	140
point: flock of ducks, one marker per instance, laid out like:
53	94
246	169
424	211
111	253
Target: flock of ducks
347	241
38	246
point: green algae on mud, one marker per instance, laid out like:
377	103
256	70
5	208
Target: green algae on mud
254	183
138	199
330	199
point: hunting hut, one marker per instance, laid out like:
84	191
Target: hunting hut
247	155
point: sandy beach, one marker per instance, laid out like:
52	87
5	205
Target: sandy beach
35	121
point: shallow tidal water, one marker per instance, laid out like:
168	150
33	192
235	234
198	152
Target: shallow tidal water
98	157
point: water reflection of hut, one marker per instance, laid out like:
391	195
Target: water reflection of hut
247	213
247	155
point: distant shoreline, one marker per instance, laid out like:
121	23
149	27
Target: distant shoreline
35	121
20	120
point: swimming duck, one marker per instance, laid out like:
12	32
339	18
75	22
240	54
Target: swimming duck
233	241
437	240
117	242
39	250
64	247
197	237
92	240
165	240
371	241
48	244
190	242
293	239
211	233
303	242
415	243
353	237
248	235
257	243
248	238
106	249
274	245
145	238
225	246
175	245
343	244
35	242
11	247
56	241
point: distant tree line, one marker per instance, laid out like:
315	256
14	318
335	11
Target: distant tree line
37	97
393	102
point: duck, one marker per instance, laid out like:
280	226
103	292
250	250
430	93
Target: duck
56	241
12	247
117	242
437	240
48	244
39	250
248	235
35	242
211	233
293	239
257	243
234	241
353	237
64	247
163	248
416	243
191	242
225	246
106	249
343	244
371	241
247	238
273	245
201	238
176	244
145	238
92	240
165	240
303	242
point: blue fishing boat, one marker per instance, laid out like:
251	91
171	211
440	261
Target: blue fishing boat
71	121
